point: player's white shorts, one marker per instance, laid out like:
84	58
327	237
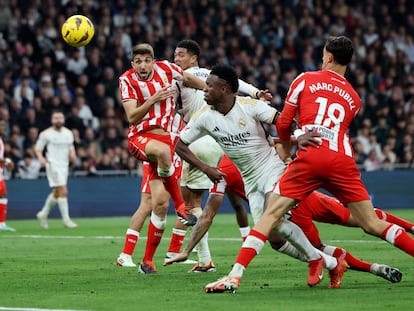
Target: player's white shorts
57	175
263	183
207	150
256	204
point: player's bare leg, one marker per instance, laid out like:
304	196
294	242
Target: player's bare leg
132	235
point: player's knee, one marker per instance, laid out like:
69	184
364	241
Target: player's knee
372	227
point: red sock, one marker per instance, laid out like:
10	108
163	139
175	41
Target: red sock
154	239
408	226
131	239
353	262
254	243
3	210
177	240
398	237
172	187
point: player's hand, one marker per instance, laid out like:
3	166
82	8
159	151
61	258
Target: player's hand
9	164
164	93
214	173
264	95
180	257
309	139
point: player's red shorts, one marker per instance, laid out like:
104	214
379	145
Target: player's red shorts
233	180
322	168
138	143
3	188
149	172
318	207
145	187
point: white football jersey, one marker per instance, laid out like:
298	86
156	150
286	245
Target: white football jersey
192	99
57	144
241	135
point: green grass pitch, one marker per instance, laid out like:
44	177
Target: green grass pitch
74	269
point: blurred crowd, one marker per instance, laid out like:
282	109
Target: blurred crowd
269	42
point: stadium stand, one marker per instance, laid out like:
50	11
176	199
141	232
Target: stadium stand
269	42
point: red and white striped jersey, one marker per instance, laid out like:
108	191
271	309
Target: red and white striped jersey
131	87
326	103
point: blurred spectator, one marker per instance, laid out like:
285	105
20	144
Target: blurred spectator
111	138
73	121
372	162
106	163
359	154
381	131
31	137
76	63
268	42
85	113
28	167
389	157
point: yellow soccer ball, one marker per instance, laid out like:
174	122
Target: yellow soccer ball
78	30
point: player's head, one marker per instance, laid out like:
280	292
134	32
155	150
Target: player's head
57	119
143	60
186	54
337	50
222	84
227	74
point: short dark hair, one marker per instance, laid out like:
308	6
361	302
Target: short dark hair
341	48
141	49
228	74
191	46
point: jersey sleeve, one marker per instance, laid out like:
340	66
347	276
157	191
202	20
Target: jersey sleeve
248	89
193	130
126	91
41	142
265	113
290	109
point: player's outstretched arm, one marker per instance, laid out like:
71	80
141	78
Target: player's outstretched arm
214	173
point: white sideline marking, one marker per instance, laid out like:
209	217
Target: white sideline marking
34	309
108	237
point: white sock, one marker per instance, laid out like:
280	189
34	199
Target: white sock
237	270
132	232
49	204
291	251
331	262
295	235
63	208
158	222
244	232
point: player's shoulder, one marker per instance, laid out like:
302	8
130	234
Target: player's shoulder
164	64
199	72
66	130
247	100
127	73
46	131
203	111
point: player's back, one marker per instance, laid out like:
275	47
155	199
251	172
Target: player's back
192	99
327	103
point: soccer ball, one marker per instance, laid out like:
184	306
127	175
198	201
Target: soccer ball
78	30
